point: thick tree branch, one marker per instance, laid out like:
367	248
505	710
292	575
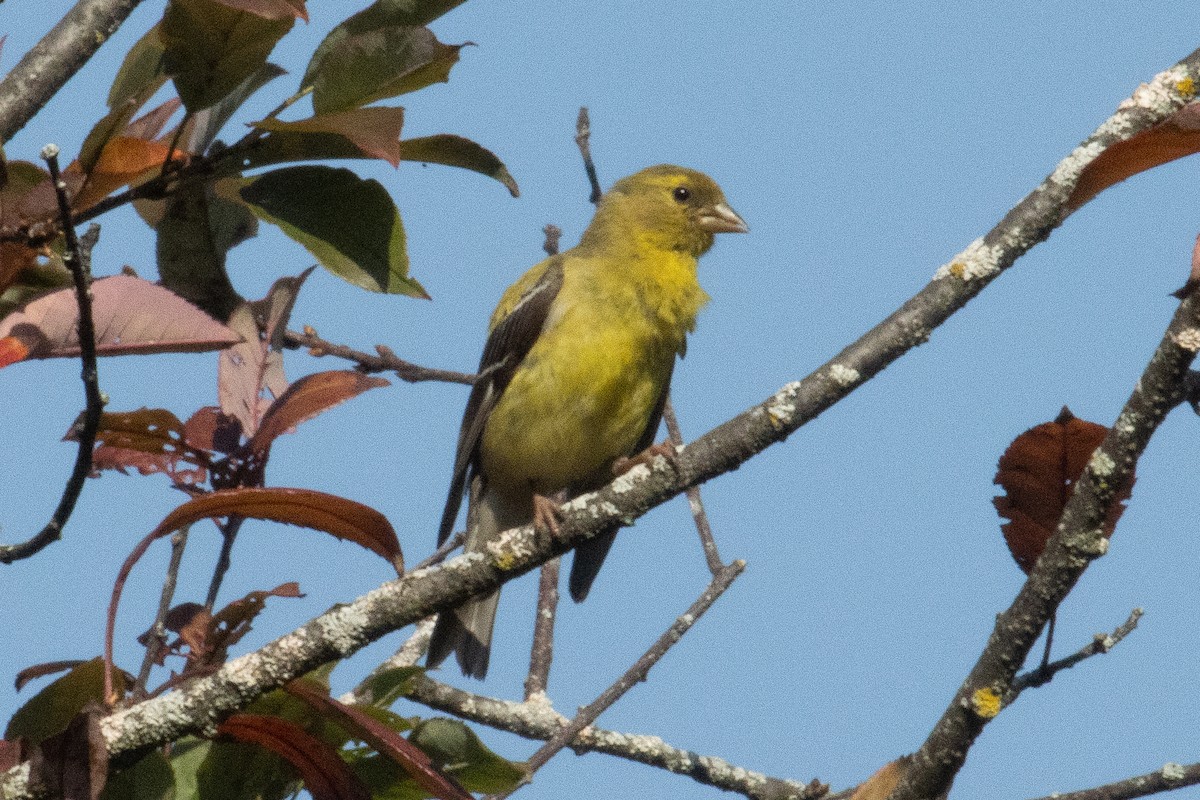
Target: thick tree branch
200	705
1078	541
59	55
538	720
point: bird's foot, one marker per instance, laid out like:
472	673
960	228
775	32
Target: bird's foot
647	456
547	513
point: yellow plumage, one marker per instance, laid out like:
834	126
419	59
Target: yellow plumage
581	351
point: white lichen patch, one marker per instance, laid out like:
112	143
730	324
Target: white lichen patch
781	408
1067	172
1101	464
1126	423
1173	772
1161	94
844	376
977	261
629	481
343	627
1188	339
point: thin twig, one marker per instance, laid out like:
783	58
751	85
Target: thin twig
1101	643
439	555
1077	542
711	554
636	673
229	532
385	361
583	135
78	258
541	654
157	635
1049	641
1165	779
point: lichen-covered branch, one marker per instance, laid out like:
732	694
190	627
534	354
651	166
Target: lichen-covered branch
50	64
1078	541
538	720
1168	778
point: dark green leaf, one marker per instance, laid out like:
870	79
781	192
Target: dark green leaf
455	151
150	778
456	748
51	710
390	685
210	48
349	224
196	230
204	126
141	70
375	54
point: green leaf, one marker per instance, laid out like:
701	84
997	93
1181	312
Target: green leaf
50	711
204	126
455	151
391	684
210	48
196	230
457	749
151	778
142	69
377	53
375	131
351	225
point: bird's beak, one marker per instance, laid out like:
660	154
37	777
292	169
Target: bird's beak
722	219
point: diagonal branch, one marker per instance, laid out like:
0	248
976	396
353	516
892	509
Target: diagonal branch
1165	779
59	55
1078	541
347	628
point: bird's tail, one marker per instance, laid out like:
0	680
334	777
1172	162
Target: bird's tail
467	630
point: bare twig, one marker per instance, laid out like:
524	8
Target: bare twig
636	673
1079	540
229	532
542	653
439	555
711	554
157	635
50	64
583	135
553	237
385	361
1165	779
1101	643
78	258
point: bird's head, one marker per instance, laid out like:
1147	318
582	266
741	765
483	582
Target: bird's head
670	207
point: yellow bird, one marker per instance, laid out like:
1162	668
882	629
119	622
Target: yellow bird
575	373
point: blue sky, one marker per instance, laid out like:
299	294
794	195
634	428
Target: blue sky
865	144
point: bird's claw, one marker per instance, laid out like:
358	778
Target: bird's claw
547	513
665	449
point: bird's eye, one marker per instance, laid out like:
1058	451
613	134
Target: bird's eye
682	194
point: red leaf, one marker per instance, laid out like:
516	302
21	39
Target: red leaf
15	348
1175	138
124	160
335	515
209	429
270	9
325	775
374	130
12	752
384	740
149	440
305	399
133	317
884	781
1038	473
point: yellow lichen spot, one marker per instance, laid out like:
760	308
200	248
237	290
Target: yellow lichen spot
958	269
505	559
1186	88
986	702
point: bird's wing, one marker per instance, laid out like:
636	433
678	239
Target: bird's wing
509	342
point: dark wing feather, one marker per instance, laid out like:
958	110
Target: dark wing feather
506	347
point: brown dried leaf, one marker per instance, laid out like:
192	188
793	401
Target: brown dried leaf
149	440
241	371
305	399
73	764
125	160
374	130
211	430
1038	473
1175	138
383	739
884	781
270	9
334	515
227	627
326	776
133	317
